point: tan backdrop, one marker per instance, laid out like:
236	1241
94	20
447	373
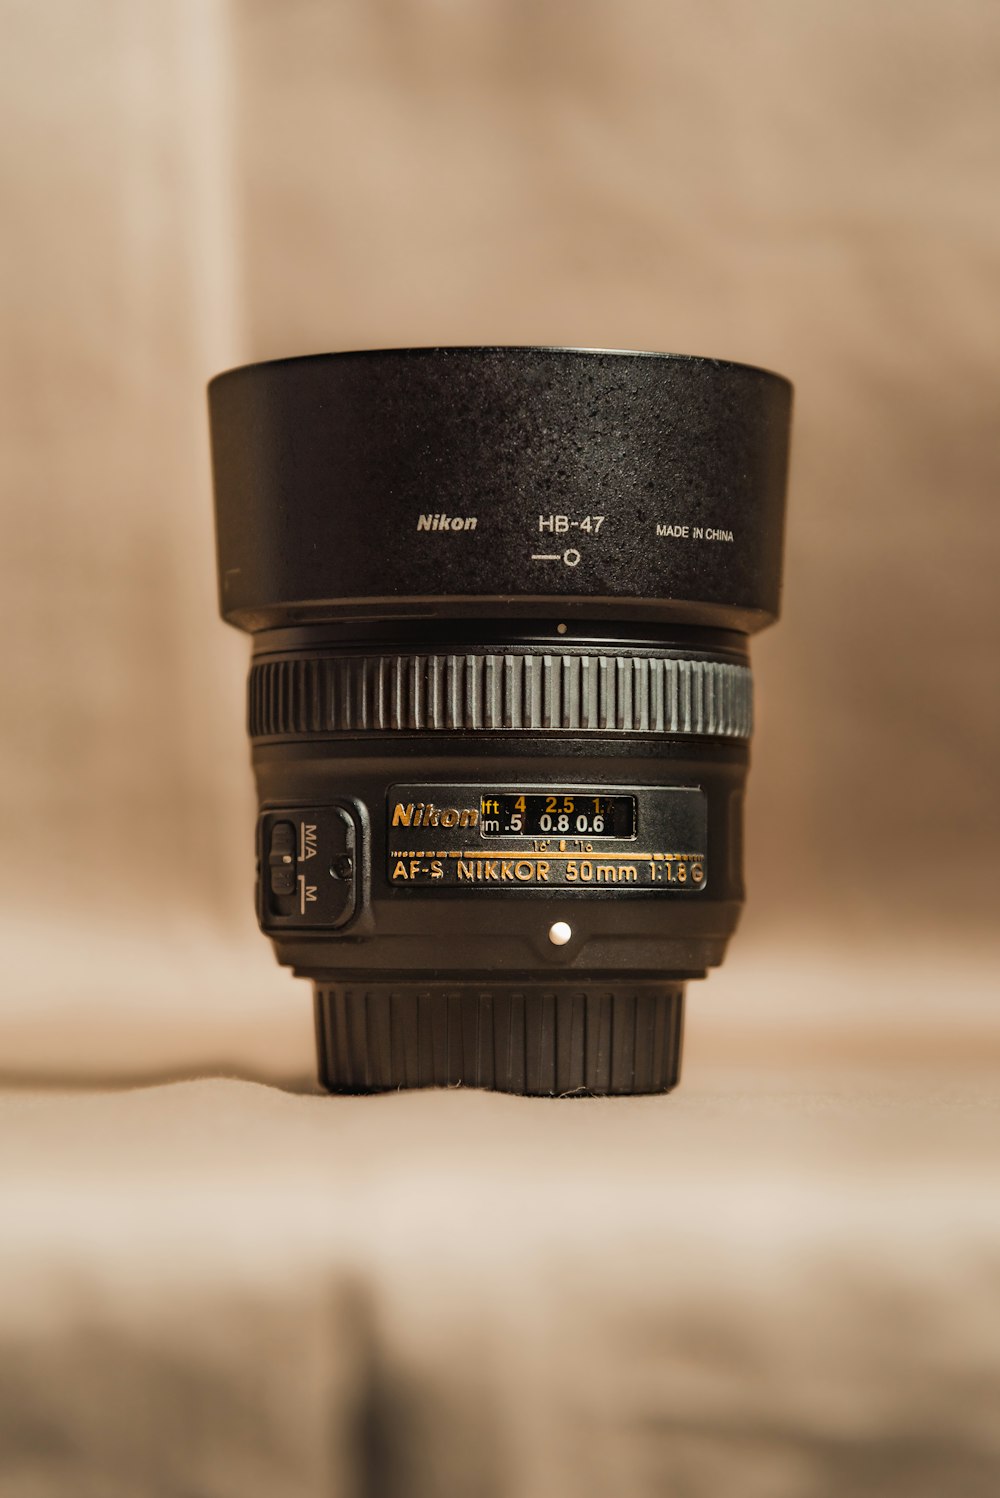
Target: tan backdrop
784	1280
807	186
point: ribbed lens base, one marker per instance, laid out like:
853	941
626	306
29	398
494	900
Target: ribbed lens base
543	1040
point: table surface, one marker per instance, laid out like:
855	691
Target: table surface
763	1284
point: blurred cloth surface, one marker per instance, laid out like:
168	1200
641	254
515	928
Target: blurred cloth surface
217	1288
782	1280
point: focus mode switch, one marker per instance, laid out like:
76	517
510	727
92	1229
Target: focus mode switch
309	861
281	859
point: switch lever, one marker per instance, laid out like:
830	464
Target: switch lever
281	859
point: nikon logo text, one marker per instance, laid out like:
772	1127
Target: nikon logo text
428	815
447	523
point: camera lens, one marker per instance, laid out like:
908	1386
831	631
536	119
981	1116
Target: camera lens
500	698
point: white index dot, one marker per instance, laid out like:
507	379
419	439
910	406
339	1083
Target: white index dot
560	933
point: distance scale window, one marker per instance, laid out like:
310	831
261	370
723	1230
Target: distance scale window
560	814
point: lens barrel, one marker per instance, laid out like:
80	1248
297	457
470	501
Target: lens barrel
500	699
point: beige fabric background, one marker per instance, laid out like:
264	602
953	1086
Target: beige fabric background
186	185
802	184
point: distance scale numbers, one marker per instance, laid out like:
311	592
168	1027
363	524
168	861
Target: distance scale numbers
527	815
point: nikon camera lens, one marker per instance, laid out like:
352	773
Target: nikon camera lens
500	699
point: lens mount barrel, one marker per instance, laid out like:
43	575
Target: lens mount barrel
500	698
541	1039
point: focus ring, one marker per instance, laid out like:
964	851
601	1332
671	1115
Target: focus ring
508	692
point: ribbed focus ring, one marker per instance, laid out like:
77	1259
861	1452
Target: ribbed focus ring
509	692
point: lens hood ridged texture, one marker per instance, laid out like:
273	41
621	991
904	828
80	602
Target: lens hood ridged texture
499	692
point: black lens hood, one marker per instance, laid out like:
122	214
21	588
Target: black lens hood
500	482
